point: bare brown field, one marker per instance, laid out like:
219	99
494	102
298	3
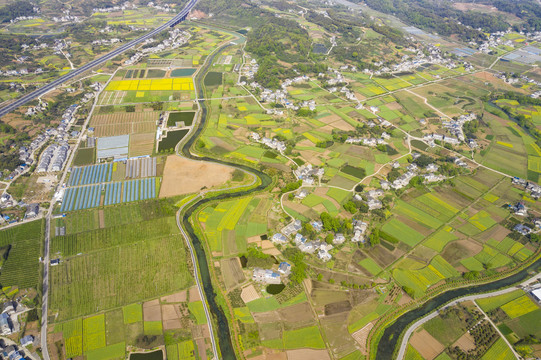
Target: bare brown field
465	342
170	312
330	119
152	311
342	125
268	317
276	356
361	336
124	118
249	293
426	345
223	144
124	123
123	129
141	144
299	315
232	272
460	249
307	354
171	324
175	298
194	294
183	176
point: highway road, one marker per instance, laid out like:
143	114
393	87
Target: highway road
45	89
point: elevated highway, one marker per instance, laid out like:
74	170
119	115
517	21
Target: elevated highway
181	16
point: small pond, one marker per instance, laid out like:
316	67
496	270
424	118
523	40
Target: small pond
154	355
274	289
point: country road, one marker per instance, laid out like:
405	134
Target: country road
47	236
52	85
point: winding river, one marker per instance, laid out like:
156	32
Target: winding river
391	335
223	333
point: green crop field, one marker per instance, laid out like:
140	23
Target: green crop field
499	351
196	308
21	267
402	232
263	304
243	314
417	214
437	241
72	332
115	351
132	313
491	303
186	350
94	333
412	354
152	327
371	266
78	285
340	196
89	241
519	307
309	337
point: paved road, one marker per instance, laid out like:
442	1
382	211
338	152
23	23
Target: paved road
46	256
46	88
429	317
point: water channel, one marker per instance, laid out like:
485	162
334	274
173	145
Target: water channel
222	331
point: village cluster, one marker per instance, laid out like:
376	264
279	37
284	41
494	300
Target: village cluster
176	39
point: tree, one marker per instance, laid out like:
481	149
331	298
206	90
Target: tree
350	207
423	161
409	291
308	230
374	237
330	223
393	175
363	208
416	181
329	238
471	275
298	270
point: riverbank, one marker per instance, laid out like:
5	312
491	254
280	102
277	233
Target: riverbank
393	333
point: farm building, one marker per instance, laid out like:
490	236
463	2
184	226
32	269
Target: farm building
266	276
27	340
32	211
5	324
302	194
324	255
522	229
339	239
115	147
284	268
279	238
292	228
537	294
